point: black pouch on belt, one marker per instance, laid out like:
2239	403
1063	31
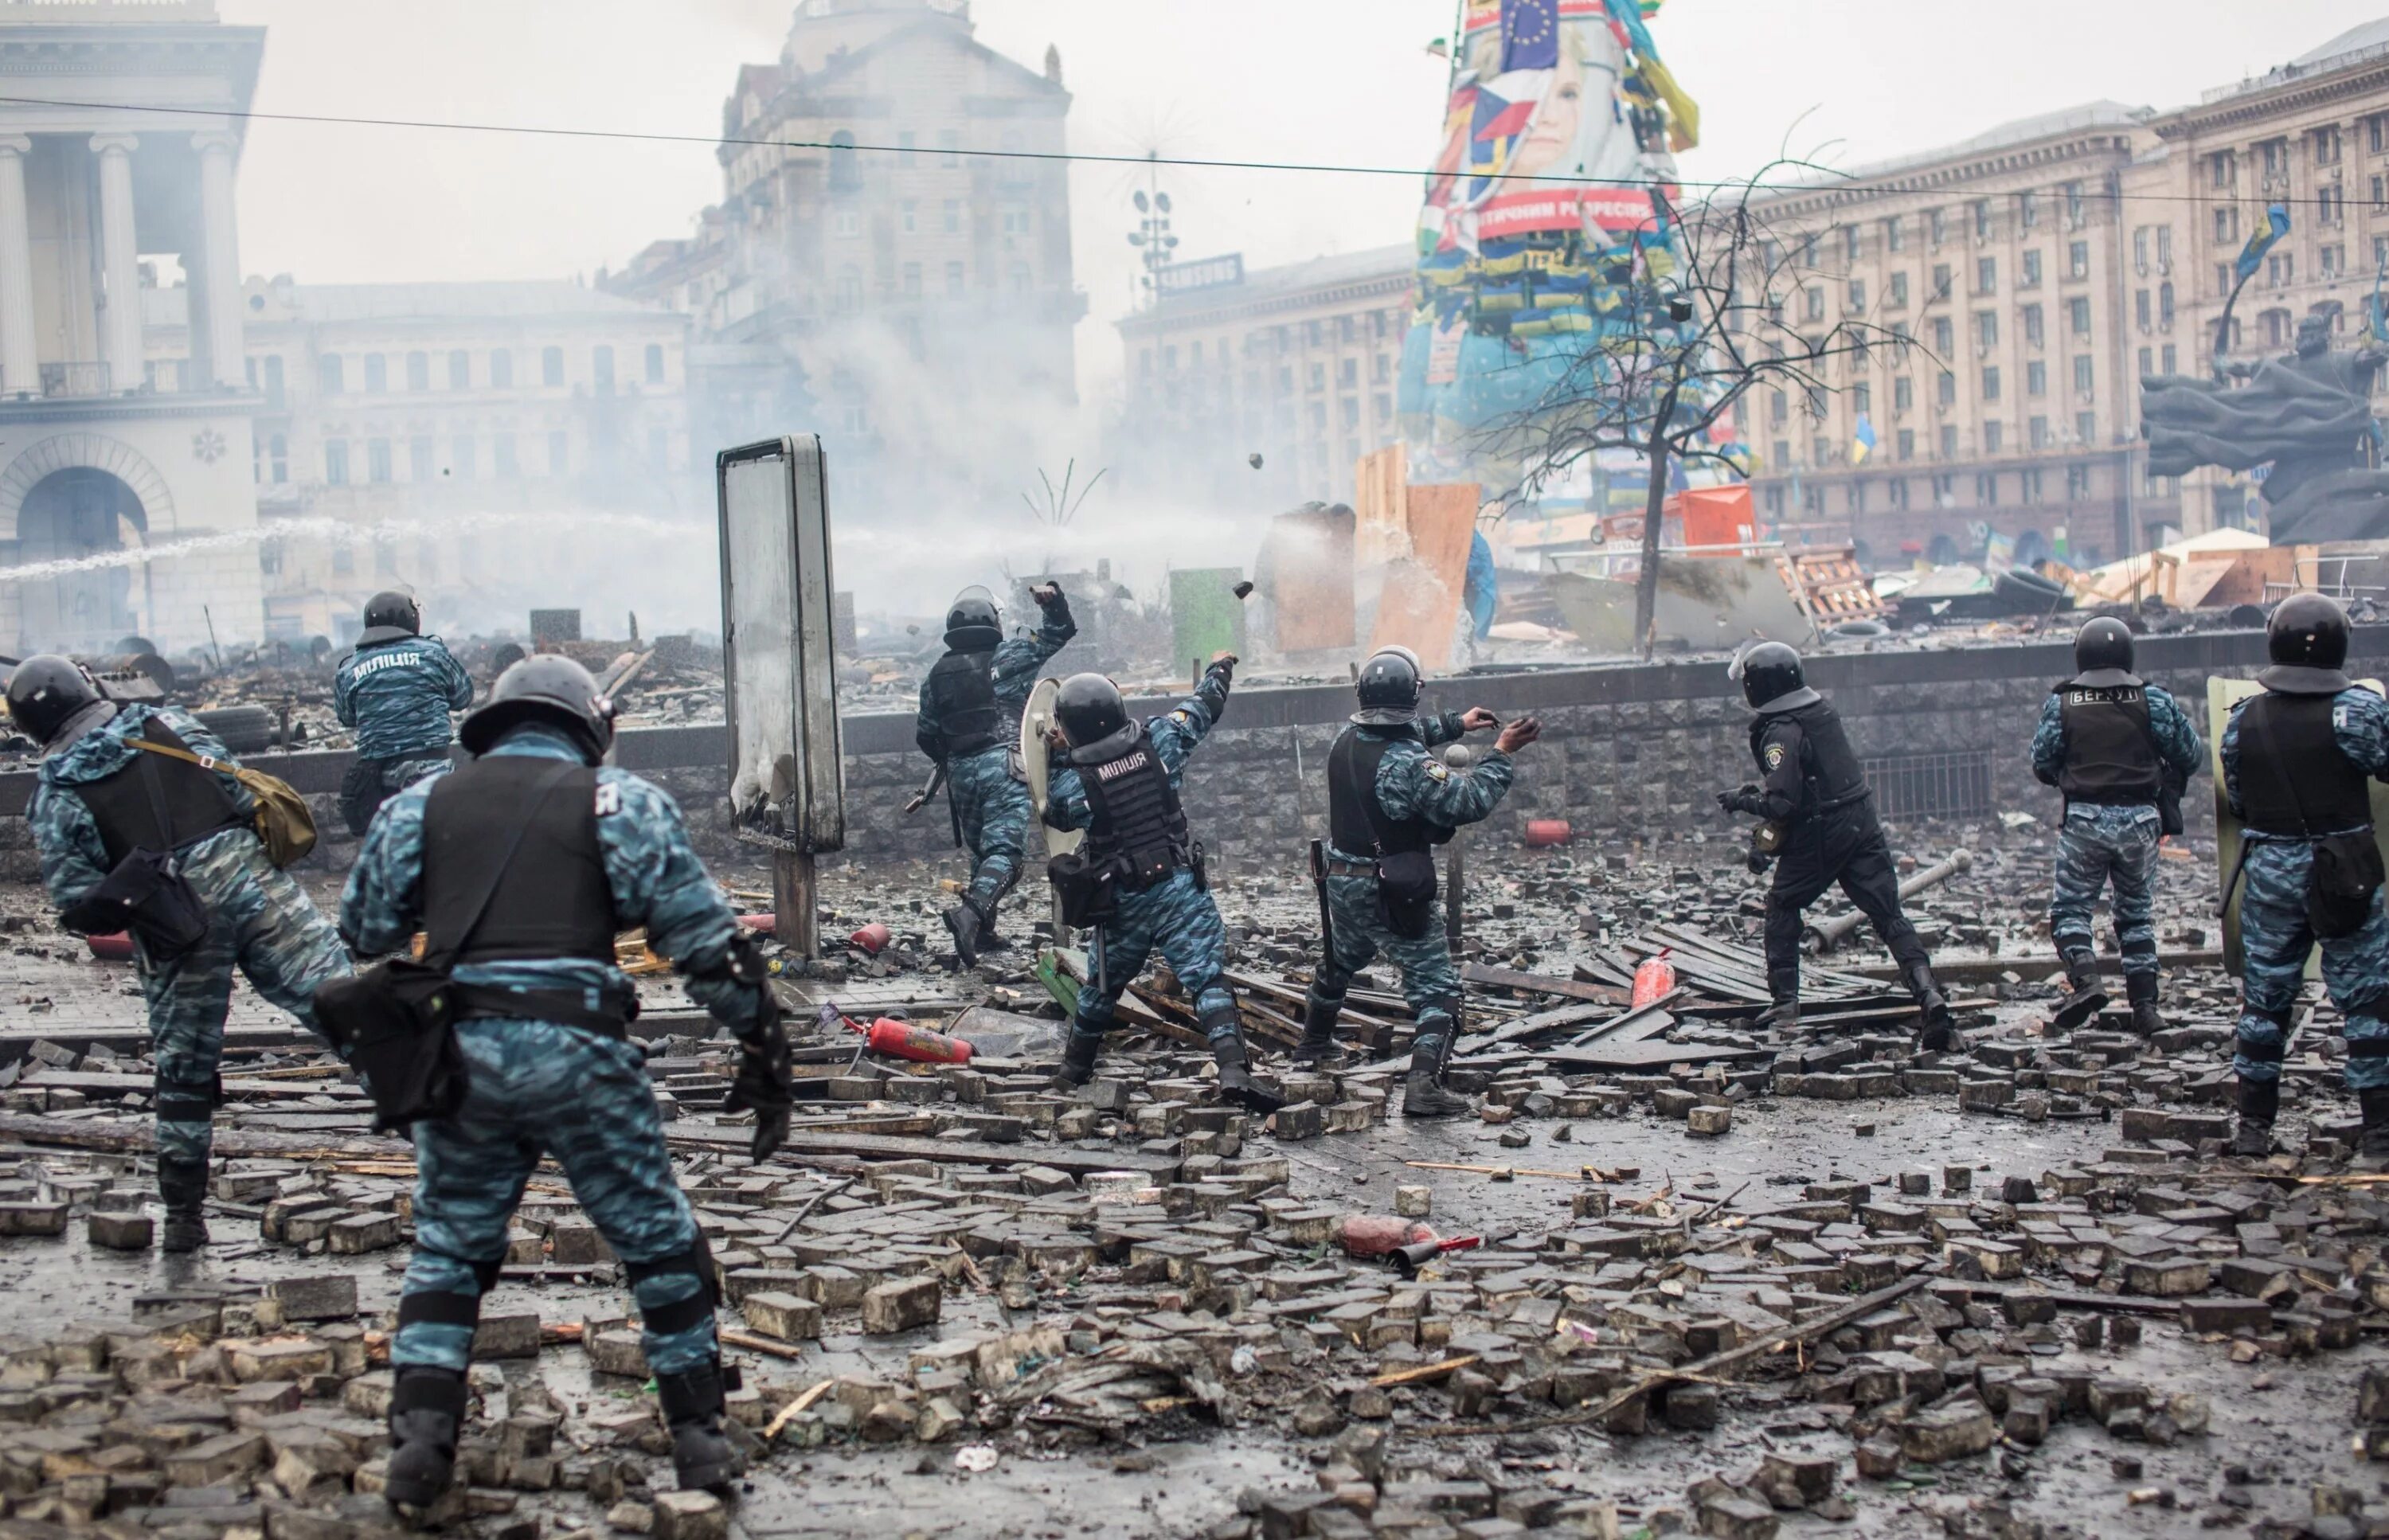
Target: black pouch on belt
1082	888
2346	876
395	1024
1405	890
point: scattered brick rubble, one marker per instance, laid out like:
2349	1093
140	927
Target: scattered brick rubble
1687	1312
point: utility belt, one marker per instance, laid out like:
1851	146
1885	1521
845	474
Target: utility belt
1406	889
564	1007
1088	890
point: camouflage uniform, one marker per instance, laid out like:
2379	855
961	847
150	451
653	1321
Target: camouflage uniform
2275	937
397	694
1412	784
2103	841
991	807
540	1087
1175	915
258	920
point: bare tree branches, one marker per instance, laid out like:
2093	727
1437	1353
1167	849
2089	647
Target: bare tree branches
1704	323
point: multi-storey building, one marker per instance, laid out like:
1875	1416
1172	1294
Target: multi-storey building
2035	273
1296	364
406	434
93	201
2313	136
890	265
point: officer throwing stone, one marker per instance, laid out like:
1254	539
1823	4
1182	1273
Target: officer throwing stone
1816	796
396	689
1139	881
521	866
2296	759
969	723
102	805
1389	803
2113	745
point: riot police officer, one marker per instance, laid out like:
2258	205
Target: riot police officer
2294	761
2115	745
1389	803
969	723
1816	796
101	809
521	866
1139	882
396	689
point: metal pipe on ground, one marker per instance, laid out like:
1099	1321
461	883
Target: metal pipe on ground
1825	934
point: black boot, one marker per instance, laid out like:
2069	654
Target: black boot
427	1410
1078	1055
1783	988
2260	1103
2375	1138
2086	999
702	1457
1940	1030
1318	1049
964	924
1236	1083
1423	1092
2142	990
183	1186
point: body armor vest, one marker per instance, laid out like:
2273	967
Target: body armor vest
550	900
2289	760
962	699
1357	823
1137	826
2111	755
1831	776
194	801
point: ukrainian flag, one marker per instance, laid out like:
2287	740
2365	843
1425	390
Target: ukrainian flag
1862	441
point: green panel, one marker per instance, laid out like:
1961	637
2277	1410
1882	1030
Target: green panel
1206	615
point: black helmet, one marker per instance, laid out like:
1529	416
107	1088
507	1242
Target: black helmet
1388	687
1771	678
1090	711
2308	630
973	623
389	617
2106	643
45	691
545	687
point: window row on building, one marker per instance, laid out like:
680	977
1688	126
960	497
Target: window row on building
429	458
457	369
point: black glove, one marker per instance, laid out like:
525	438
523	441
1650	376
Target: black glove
1744	800
1056	605
766	1084
1757	863
1226	668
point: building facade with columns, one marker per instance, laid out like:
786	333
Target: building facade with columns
1296	364
92	199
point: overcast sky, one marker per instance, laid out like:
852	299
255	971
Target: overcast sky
1342	82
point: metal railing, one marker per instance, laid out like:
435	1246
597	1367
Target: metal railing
1931	785
73	379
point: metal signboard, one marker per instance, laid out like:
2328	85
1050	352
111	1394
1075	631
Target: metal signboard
787	787
1208	272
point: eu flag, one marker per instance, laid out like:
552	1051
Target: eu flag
1530	34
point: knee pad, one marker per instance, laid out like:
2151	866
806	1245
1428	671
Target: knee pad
2256	1049
189	1100
444	1307
680	1315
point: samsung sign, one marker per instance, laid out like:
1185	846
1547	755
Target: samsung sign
1210	272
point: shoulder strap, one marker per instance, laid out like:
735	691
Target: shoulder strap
205	761
158	809
538	793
